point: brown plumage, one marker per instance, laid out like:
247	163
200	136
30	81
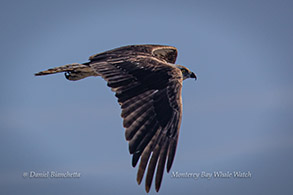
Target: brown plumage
148	86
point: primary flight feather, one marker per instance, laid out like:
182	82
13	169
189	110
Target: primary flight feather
148	84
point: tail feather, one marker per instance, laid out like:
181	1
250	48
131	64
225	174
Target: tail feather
72	71
65	68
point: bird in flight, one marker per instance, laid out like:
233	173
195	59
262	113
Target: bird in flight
148	84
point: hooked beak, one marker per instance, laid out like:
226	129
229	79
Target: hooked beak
192	75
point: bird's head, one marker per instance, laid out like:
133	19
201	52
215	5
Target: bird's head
186	73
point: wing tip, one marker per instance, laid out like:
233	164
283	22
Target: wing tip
147	188
138	179
158	188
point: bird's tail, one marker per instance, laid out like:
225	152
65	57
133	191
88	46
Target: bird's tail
73	72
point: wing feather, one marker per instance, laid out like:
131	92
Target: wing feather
140	97
171	152
161	164
151	167
143	143
136	115
144	130
135	104
131	131
146	155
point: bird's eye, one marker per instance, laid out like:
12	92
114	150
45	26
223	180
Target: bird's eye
184	71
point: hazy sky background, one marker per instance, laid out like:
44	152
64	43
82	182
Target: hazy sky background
237	115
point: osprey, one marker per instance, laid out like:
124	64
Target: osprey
148	84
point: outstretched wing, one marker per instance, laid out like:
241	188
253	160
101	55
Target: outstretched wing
149	92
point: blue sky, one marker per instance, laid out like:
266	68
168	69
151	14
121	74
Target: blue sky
237	115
